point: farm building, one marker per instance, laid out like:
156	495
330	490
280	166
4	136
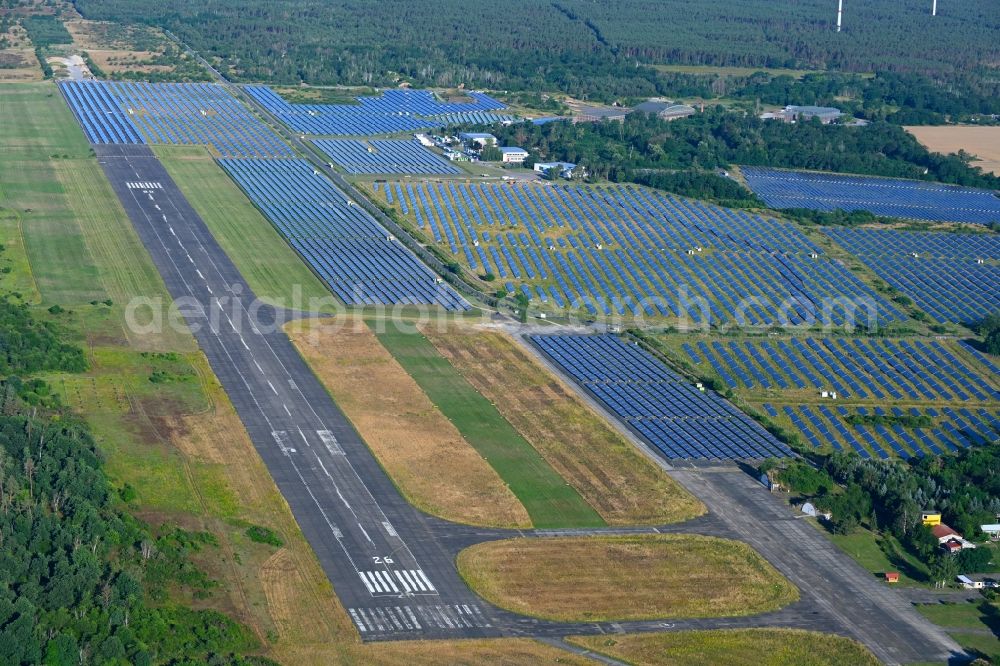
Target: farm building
478	139
513	155
664	109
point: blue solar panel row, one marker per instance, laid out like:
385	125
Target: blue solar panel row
936	245
100	113
949	430
344	245
854	368
392	111
667	411
882	196
385	156
632	250
960	288
176	113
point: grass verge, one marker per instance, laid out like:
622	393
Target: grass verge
271	268
548	498
636	577
731	647
427	458
618	481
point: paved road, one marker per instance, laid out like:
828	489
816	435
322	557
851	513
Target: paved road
855	601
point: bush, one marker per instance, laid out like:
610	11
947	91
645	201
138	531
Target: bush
259	534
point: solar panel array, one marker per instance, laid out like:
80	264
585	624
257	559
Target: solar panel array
667	411
945	278
392	111
950	428
882	369
174	113
355	255
882	196
632	250
385	156
100	113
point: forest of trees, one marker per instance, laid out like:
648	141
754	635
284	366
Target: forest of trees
81	580
585	48
646	149
889	496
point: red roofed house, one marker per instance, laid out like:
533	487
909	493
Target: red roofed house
949	539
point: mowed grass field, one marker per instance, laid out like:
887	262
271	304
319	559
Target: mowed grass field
269	265
548	498
78	244
983	142
618	578
424	454
731	647
607	470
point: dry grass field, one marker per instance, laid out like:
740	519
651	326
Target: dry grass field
983	142
433	466
735	647
584	579
618	481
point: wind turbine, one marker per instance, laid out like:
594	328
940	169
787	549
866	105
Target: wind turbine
933	7
840	11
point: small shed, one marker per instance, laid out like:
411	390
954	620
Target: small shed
892	576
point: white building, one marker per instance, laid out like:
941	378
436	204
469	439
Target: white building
564	169
478	139
513	155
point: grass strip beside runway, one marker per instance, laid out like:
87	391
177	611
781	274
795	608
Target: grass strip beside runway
548	498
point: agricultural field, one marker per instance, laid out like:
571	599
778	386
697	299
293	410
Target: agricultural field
883	397
636	577
983	143
629	252
767	647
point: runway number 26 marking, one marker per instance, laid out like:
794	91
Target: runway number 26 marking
382	560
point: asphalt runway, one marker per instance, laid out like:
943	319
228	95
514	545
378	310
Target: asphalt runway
382	558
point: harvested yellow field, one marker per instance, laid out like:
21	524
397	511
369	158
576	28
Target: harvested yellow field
636	577
983	142
621	484
733	647
434	467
